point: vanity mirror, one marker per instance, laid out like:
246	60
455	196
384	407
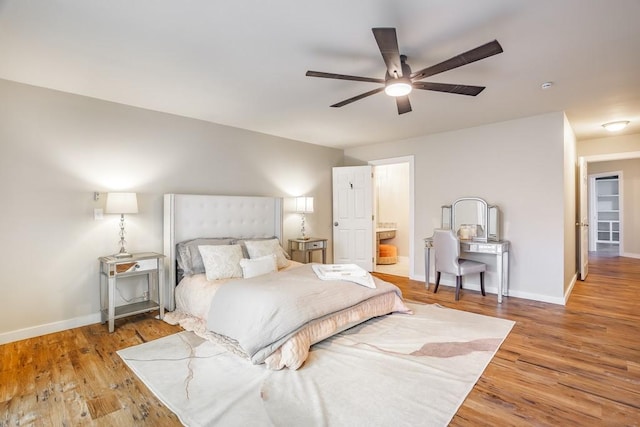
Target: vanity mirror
472	219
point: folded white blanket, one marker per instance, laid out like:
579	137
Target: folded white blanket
349	272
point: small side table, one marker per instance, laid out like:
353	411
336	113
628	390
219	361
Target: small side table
112	269
307	247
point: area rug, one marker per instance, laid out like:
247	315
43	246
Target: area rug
393	370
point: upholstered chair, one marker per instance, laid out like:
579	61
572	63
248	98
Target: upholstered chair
447	260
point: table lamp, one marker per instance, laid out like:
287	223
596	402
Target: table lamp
304	205
122	203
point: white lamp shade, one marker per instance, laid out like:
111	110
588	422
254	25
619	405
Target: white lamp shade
121	203
304	204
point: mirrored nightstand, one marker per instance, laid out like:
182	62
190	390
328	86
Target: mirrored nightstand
307	247
113	269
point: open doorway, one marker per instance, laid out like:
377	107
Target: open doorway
627	167
605	213
393	210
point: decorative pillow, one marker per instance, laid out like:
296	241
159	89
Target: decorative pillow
188	255
259	248
258	266
245	253
221	261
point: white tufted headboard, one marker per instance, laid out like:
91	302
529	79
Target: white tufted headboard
188	216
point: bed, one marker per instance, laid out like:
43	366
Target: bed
228	273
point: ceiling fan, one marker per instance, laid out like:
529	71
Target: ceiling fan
399	80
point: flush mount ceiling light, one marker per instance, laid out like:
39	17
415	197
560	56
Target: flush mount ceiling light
616	126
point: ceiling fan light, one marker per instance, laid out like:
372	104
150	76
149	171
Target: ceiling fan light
397	87
615	126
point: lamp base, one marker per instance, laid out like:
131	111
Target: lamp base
122	255
123	252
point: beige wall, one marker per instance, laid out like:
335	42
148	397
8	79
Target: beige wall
518	165
630	191
613	145
56	149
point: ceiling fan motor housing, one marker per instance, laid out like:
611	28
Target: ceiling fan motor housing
406	70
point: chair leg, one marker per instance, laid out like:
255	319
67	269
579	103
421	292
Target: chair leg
482	283
458	286
437	282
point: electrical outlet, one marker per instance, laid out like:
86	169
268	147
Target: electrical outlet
145	295
98	214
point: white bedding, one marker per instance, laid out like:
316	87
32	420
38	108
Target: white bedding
193	297
195	293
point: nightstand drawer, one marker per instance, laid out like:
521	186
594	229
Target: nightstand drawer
315	245
147	264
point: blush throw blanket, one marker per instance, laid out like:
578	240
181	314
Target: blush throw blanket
260	314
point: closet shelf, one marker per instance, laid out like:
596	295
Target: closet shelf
608	212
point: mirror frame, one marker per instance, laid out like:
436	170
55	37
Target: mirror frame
445	221
483	208
491	225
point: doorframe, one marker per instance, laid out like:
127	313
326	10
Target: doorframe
411	160
614	156
593	209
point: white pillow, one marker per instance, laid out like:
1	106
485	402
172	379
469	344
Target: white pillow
221	261
258	266
260	248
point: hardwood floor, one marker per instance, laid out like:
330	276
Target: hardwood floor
573	365
75	378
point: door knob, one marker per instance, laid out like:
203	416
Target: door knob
336	223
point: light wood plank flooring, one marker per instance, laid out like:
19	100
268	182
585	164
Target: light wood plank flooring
573	365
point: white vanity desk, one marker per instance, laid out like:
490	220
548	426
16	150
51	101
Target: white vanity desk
500	249
477	225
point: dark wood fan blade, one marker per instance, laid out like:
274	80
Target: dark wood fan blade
404	106
342	77
358	97
449	88
388	45
473	55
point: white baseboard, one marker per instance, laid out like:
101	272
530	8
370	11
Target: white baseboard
49	328
494	290
419	278
570	288
536	297
630	255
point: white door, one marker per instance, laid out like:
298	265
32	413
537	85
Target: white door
583	222
353	231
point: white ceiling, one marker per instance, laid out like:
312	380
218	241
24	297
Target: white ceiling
243	63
